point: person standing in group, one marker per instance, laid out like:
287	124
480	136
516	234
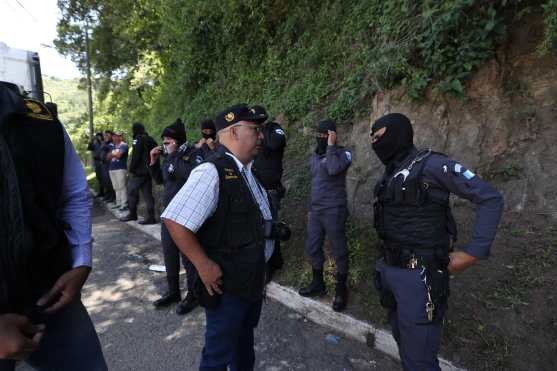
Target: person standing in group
118	169
413	219
208	137
95	147
110	195
268	170
139	178
179	160
328	212
218	220
45	238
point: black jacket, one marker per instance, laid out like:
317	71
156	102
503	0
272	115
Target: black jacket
140	158
175	170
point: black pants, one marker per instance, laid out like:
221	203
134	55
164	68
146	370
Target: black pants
103	178
135	184
172	262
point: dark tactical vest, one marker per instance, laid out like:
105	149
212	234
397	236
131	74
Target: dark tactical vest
36	144
233	235
410	212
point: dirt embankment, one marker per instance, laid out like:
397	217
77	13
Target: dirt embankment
502	313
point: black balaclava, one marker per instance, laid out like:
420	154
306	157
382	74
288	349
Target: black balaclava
176	131
208	124
397	141
138	129
323	128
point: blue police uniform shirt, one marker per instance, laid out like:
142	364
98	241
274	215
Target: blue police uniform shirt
328	178
122	162
455	178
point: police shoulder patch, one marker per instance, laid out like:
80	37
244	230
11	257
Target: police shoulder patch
279	131
38	110
348	155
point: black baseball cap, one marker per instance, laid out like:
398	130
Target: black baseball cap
326	125
261	112
235	114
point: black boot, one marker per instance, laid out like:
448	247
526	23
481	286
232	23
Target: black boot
187	305
128	217
172	295
148	220
316	286
341	293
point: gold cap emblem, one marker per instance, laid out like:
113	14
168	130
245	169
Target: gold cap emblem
229	117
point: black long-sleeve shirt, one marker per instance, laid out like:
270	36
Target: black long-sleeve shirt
175	170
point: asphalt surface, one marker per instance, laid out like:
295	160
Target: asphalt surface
135	336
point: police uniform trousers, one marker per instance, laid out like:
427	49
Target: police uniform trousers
229	337
70	343
332	223
143	183
172	263
418	339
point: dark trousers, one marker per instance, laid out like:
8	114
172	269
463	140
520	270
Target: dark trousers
100	181
172	263
143	183
105	180
70	343
229	335
330	222
418	339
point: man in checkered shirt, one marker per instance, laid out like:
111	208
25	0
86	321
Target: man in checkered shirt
221	220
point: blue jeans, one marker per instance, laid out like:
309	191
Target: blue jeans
70	343
229	335
418	339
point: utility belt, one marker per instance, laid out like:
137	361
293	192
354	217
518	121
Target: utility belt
432	266
400	256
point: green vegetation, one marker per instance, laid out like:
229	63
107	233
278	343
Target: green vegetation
155	60
71	99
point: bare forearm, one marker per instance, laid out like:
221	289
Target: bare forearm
186	242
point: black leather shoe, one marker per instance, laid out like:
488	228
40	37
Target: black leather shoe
187	305
147	221
167	299
316	286
128	218
341	293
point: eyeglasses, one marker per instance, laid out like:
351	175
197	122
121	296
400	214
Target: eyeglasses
258	129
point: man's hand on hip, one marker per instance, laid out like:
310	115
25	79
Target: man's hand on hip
18	336
65	290
460	261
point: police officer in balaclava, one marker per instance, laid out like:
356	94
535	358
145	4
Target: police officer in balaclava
268	170
328	212
414	222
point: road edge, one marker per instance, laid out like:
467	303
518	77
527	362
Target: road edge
316	311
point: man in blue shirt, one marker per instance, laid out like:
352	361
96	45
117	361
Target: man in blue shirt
118	169
46	243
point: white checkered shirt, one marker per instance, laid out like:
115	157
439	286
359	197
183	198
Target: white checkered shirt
197	200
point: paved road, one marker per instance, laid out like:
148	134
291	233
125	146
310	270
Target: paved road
134	336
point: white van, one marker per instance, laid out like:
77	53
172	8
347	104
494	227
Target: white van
22	68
